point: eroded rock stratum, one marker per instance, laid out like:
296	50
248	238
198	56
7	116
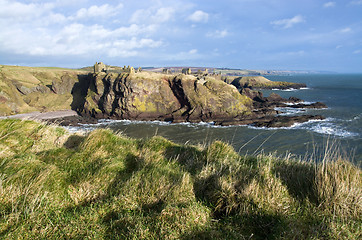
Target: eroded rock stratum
146	96
191	98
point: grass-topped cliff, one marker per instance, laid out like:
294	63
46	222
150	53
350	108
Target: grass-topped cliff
119	94
28	89
259	82
156	96
103	185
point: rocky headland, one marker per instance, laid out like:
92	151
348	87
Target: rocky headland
259	82
142	95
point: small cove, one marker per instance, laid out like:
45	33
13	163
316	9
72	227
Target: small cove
341	130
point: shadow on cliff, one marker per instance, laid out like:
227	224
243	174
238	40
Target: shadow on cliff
79	92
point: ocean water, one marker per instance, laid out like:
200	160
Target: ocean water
340	132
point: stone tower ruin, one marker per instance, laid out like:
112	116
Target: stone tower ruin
100	67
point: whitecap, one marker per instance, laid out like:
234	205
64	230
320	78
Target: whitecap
285	90
296	103
329	127
196	125
325	127
355	118
332	129
294	126
289	90
75	129
285	111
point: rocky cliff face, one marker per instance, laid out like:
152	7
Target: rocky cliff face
146	96
259	82
27	89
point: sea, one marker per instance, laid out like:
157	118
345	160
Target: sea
340	134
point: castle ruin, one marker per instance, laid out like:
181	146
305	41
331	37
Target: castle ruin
129	69
100	67
186	71
166	71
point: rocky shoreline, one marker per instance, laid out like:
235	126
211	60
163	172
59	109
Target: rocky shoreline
190	98
264	115
147	96
266	121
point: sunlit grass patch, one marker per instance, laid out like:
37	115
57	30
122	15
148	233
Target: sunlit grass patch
54	185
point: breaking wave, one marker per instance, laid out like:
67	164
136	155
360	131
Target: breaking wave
329	126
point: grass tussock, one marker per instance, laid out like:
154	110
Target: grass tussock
54	185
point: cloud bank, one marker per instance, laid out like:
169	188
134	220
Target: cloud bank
274	34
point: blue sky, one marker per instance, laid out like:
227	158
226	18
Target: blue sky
246	34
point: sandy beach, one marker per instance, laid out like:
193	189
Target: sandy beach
43	115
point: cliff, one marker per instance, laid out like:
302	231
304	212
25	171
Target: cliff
259	82
152	96
28	89
145	95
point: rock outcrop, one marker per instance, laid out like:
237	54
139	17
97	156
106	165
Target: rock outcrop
259	82
179	98
63	85
25	90
146	96
31	89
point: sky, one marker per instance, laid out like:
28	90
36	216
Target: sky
313	35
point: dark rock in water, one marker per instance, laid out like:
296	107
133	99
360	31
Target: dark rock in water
255	95
270	121
273	97
275	100
294	100
318	105
284	121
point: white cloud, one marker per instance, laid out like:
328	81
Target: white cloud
218	34
98	11
133	30
357	51
164	14
20	12
193	51
160	15
128	48
329	4
78	39
140	16
357	2
56	18
345	30
37	29
288	22
199	16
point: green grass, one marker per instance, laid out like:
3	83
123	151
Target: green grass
103	185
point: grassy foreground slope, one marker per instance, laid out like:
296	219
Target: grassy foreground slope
54	185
